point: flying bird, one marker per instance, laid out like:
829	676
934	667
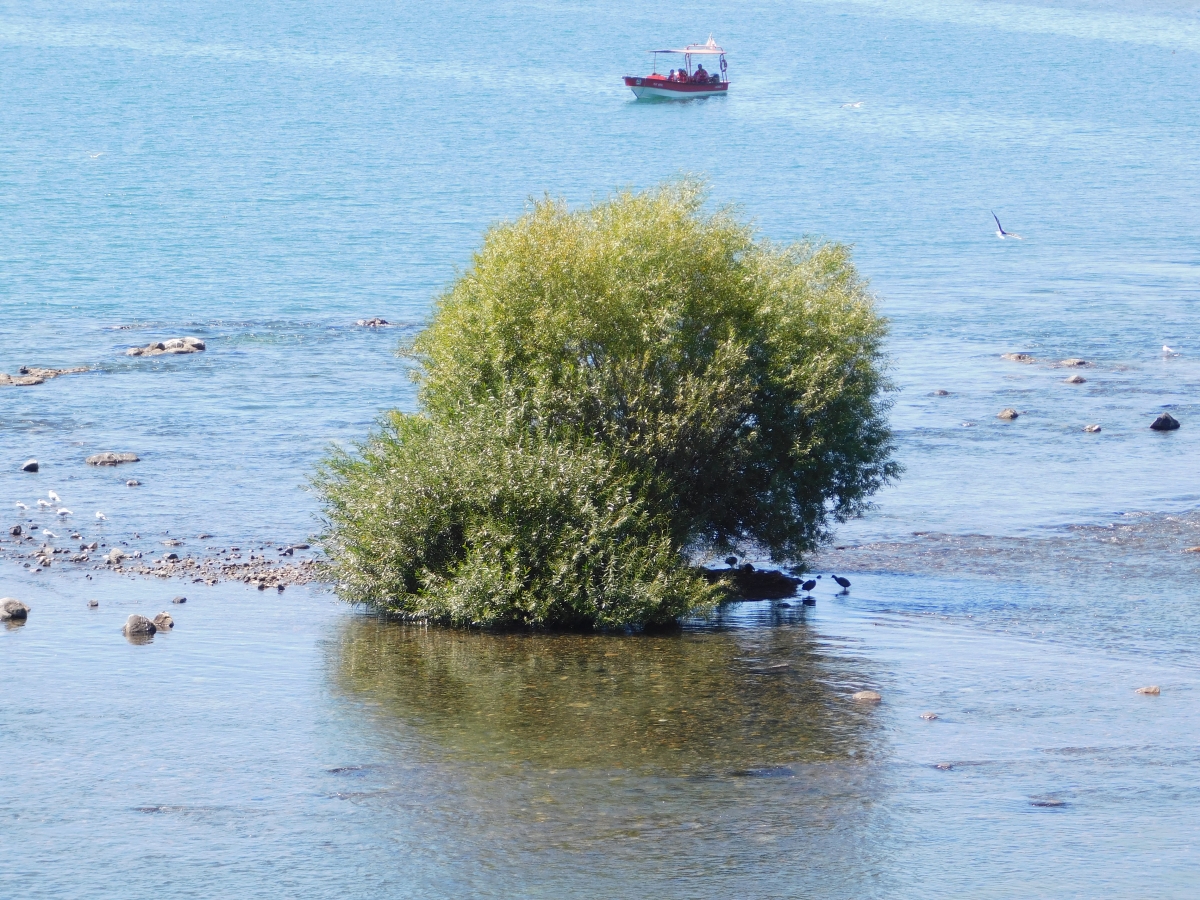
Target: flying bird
21	505
53	496
65	512
1002	234
844	582
101	516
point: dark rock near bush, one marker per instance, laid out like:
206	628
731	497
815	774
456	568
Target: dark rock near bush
749	584
31	465
1165	422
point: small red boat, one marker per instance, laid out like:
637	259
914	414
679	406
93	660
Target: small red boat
686	82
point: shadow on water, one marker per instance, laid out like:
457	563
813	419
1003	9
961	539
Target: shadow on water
692	764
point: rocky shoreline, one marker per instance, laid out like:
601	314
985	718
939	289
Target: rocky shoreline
215	566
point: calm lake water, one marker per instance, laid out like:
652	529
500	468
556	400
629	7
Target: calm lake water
263	175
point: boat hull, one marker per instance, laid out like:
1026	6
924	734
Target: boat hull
651	88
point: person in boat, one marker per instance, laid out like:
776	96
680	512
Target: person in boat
701	76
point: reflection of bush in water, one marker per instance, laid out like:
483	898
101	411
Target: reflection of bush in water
696	700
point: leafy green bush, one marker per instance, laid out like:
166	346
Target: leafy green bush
603	393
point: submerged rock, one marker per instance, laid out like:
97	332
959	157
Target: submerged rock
867	697
109	458
1075	379
15	531
1017	357
1150	690
132	482
13	610
164	622
28	375
929	717
1007	414
175	345
1092	429
180	600
115	555
940	393
30	465
1165	422
1073	362
372	323
92	604
138	626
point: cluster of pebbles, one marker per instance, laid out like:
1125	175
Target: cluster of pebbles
215	566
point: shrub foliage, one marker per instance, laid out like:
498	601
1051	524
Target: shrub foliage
605	393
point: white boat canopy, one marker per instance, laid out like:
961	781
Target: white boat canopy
707	49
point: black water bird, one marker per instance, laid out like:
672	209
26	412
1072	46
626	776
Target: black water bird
731	561
809	585
844	582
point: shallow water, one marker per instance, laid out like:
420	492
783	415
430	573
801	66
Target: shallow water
283	746
263	175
